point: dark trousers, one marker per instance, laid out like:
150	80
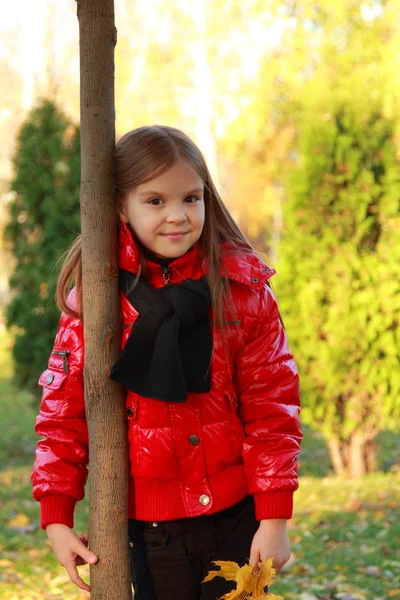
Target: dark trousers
169	559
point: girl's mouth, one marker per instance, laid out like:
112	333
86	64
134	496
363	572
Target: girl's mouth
175	236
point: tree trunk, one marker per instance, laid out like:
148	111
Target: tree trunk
355	457
357	463
370	456
105	405
337	460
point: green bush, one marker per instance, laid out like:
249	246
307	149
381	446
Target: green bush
44	218
340	275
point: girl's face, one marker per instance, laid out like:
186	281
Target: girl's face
167	212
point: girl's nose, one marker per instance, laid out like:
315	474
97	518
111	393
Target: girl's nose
177	215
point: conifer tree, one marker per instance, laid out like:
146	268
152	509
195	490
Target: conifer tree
44	218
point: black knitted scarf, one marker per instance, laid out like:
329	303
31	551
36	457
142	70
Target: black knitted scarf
168	352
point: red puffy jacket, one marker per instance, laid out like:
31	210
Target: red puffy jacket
191	458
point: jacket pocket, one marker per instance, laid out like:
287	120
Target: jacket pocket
151	442
53	395
145	534
52	379
236	435
59	359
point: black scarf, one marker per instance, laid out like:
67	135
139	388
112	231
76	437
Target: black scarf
168	352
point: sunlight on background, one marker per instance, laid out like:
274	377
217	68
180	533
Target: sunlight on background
296	105
40	42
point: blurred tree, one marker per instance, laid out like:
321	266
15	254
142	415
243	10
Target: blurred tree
340	280
302	38
9	119
181	71
44	218
339	283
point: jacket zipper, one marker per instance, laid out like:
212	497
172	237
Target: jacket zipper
166	273
65	354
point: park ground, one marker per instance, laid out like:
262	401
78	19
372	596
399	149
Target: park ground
345	534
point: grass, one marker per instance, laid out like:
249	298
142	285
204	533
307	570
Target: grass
344	534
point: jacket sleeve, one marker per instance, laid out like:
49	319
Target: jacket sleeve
269	404
60	468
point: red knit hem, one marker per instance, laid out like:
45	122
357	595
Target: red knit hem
163	501
57	509
274	505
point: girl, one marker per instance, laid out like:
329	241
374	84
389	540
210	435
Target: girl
212	391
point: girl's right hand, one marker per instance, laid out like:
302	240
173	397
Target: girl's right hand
71	551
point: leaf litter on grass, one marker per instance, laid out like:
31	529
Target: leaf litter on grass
335	543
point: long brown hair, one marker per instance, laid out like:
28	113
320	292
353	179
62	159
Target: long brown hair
140	155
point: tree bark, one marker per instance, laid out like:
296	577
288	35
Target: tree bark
370	456
357	463
337	460
105	405
355	457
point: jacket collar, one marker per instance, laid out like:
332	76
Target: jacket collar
245	268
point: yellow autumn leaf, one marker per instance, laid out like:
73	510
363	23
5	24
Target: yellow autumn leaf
4	563
20	520
248	585
228	570
6	477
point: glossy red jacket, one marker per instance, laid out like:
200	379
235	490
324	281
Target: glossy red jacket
191	458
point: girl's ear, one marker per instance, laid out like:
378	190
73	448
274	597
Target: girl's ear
120	211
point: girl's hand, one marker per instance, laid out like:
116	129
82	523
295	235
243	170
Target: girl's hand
270	540
71	551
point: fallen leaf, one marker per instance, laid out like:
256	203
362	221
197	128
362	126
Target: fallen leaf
297	539
352	505
350	596
6	478
303	569
4	562
20	520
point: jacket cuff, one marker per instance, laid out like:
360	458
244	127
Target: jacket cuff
274	505
57	509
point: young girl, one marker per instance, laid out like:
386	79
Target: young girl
212	391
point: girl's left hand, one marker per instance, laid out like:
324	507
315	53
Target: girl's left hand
270	541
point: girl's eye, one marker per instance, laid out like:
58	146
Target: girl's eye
159	201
